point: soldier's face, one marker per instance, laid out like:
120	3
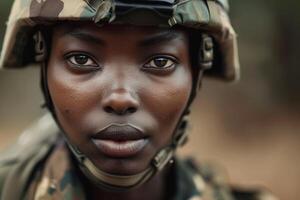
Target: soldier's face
119	91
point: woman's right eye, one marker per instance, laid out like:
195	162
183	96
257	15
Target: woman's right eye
82	61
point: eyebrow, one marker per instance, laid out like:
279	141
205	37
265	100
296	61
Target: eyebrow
160	37
85	36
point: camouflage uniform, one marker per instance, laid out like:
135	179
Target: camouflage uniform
39	167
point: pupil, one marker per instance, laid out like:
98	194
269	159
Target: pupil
160	62
81	59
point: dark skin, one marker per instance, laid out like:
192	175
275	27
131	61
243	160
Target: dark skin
97	76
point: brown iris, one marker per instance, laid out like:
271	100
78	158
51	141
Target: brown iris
160	62
81	59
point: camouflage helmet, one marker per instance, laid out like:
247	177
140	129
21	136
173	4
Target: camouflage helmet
209	16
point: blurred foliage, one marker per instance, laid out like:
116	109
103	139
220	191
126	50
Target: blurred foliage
4	11
269	40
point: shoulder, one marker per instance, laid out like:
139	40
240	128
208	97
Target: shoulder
212	179
18	162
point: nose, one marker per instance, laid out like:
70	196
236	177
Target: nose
120	102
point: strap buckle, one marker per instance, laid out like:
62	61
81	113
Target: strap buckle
40	47
206	52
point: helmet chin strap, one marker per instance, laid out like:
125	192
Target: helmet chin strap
160	160
115	182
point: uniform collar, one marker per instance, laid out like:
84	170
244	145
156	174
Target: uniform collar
58	179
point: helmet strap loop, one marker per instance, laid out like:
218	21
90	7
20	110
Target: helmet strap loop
206	52
40	47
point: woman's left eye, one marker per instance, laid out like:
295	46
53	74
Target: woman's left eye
82	60
161	63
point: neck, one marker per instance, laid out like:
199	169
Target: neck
155	188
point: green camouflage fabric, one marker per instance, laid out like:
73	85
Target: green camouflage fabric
56	180
39	167
207	15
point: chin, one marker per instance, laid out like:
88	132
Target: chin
122	166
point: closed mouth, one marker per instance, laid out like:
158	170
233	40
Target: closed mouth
120	140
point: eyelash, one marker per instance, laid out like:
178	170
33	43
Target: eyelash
71	58
157	57
148	66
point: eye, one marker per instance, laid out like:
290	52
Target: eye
82	61
160	63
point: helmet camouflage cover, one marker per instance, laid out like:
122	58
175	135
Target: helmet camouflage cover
207	15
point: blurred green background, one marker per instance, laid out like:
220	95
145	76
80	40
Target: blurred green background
252	128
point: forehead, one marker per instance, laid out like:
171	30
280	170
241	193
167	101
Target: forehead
85	30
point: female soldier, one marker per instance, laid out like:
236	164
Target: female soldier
118	77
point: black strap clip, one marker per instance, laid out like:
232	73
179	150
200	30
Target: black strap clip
40	47
147	12
206	52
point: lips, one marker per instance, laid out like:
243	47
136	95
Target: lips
120	140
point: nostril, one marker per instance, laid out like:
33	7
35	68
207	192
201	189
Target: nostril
108	109
120	103
131	110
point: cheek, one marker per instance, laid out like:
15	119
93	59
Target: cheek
169	99
71	98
